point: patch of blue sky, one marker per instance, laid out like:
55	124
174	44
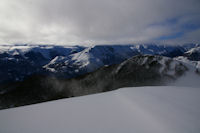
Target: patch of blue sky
180	27
172	36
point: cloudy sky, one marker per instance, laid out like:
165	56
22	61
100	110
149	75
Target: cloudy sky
99	21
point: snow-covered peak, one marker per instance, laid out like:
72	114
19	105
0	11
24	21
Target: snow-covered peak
189	62
54	63
45	50
58	59
193	50
163	65
10	49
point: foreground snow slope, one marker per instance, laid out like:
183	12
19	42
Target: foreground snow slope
127	110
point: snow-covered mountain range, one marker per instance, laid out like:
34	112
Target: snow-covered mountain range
140	70
19	61
37	73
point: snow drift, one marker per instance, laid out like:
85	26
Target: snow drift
128	110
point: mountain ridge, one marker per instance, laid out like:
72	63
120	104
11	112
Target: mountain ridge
140	70
72	61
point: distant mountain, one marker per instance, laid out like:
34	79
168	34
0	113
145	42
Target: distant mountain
20	61
95	57
90	59
140	70
193	54
186	60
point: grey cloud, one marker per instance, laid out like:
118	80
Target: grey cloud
92	21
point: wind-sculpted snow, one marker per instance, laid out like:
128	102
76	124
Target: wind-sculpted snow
128	110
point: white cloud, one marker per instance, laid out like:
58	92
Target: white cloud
94	21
